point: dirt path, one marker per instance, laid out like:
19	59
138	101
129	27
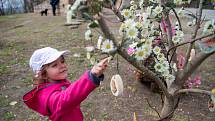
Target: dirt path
21	34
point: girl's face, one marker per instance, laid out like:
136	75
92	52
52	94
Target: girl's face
57	70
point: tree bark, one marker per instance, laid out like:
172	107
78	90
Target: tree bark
28	6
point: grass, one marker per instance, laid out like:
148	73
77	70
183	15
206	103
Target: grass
180	118
8	116
10	17
3	101
3	69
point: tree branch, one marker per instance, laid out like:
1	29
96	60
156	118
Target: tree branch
116	11
192	91
153	107
192	41
193	66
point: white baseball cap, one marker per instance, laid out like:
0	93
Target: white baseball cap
44	56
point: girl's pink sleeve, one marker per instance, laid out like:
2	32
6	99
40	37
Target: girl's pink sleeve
74	94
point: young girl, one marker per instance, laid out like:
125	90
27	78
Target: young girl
54	96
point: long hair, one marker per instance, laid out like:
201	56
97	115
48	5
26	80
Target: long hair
41	76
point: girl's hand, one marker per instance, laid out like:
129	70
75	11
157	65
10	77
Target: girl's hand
99	68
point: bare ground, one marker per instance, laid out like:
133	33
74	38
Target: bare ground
21	34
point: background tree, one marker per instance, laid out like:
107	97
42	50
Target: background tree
2	7
28	6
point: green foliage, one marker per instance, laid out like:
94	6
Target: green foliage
179	118
3	101
8	116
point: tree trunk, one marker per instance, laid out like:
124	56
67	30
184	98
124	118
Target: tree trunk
170	103
168	108
28	6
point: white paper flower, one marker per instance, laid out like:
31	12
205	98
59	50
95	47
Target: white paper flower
176	39
165	73
158	10
138	25
147	49
140	54
166	64
160	57
156	50
148	42
159	67
129	23
107	46
132	33
99	42
144	17
170	79
126	13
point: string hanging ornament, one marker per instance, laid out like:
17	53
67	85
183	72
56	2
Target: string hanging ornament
116	83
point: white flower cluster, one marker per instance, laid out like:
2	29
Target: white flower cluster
162	66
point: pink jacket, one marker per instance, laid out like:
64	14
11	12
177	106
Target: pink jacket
60	101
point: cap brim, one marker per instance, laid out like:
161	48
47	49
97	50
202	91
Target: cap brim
56	56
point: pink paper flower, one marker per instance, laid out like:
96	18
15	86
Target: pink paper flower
181	61
197	80
164	25
130	51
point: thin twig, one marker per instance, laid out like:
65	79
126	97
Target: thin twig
192	91
167	116
152	107
192	41
176	15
